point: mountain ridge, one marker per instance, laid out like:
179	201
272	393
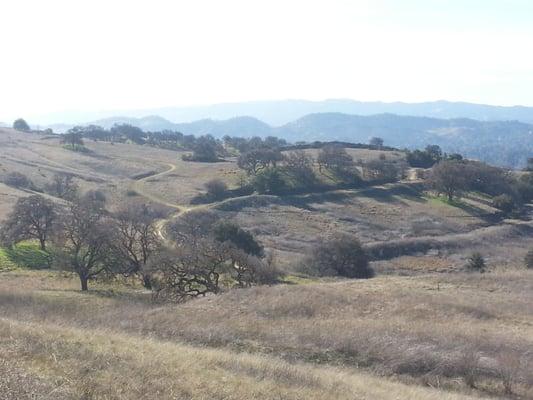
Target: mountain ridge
505	143
281	112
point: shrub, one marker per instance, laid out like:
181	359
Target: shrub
18	180
341	255
529	259
230	232
269	181
476	262
216	189
504	202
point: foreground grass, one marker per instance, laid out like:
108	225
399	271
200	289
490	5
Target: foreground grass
93	364
455	332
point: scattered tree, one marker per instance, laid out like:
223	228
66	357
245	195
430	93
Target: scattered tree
33	217
258	159
341	255
269	181
448	177
21	125
137	240
205	149
63	186
238	237
300	166
216	188
85	240
73	138
335	158
377	142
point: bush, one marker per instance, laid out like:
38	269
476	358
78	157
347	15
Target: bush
341	255
270	181
216	189
529	259
476	262
504	202
18	180
230	232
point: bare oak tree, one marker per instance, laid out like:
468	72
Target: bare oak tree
33	217
137	240
85	240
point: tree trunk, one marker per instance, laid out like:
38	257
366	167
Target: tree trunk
83	281
147	282
43	244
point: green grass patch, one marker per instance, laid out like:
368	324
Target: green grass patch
24	255
76	147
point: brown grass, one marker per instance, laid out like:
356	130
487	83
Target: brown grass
75	363
450	331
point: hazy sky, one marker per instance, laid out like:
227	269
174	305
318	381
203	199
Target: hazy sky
111	54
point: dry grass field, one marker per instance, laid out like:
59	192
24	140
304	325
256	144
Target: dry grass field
392	337
422	329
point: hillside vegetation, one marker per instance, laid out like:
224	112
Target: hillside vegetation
225	269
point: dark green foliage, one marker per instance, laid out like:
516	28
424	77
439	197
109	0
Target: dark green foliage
205	149
21	125
238	237
425	158
269	181
73	137
128	132
258	159
476	262
341	255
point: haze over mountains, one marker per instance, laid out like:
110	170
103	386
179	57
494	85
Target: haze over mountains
495	134
280	112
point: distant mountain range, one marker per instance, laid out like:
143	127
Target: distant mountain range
506	143
277	113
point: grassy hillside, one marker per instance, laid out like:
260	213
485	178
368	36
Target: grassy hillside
422	329
320	340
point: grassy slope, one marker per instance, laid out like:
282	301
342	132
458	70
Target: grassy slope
24	255
433	330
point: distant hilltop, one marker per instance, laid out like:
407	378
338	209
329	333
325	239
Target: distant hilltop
281	112
504	143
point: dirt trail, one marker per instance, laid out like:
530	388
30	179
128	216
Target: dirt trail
180	208
377	250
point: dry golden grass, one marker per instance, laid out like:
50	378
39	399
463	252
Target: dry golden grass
449	331
74	363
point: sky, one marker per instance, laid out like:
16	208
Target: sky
96	55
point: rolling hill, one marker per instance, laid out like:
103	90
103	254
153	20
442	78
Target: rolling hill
504	143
